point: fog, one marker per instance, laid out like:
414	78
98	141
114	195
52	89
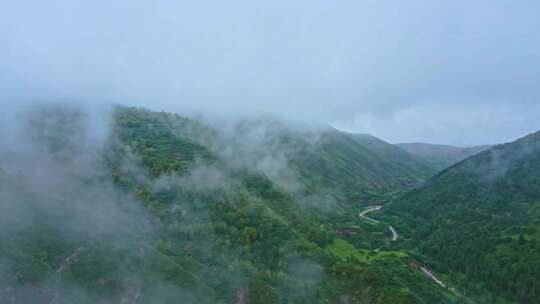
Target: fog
54	178
449	72
453	72
57	195
57	179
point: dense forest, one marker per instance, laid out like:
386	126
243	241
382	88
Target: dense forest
135	206
269	152
478	220
152	207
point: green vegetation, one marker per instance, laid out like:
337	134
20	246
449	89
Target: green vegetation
161	216
479	219
345	251
359	167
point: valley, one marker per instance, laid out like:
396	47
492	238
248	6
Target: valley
170	201
269	152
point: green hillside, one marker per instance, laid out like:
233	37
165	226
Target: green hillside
358	166
156	212
441	156
355	168
480	218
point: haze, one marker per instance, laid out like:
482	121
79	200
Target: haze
454	72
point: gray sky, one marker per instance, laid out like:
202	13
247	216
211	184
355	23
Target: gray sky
455	72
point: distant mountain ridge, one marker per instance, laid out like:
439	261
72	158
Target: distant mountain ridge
358	164
441	156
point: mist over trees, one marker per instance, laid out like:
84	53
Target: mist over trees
246	152
132	206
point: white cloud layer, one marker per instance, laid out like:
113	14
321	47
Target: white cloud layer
458	72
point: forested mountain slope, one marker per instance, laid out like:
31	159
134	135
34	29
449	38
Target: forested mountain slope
353	167
481	217
156	208
359	166
441	156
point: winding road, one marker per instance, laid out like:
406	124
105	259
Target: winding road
376	208
433	277
394	233
426	271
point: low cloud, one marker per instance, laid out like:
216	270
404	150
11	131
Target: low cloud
405	72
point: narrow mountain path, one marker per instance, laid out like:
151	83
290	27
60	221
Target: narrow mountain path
394	233
71	259
66	264
433	277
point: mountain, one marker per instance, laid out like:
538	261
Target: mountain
358	167
152	207
441	156
353	167
479	220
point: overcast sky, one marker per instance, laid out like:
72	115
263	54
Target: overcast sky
455	72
